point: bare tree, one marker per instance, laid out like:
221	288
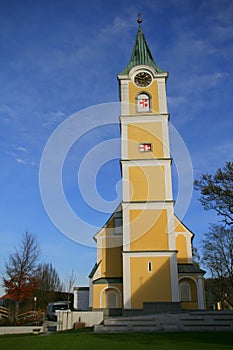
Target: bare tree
218	257
196	256
49	286
48	278
69	284
19	278
217	192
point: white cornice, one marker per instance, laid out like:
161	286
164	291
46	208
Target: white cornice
146	162
142	118
138	68
148	253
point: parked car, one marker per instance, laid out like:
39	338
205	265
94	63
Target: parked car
54	307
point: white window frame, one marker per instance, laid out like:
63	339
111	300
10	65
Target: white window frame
140	97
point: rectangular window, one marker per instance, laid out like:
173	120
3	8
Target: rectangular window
143	103
118	222
145	147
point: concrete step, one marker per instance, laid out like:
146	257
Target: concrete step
49	326
201	321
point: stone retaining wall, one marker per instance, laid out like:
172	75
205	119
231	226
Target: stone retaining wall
20	329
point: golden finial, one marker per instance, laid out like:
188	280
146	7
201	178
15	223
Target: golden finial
139	19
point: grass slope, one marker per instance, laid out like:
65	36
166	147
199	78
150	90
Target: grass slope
134	341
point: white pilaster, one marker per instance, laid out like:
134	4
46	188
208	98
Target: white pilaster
124	89
91	292
189	248
126	281
162	95
201	305
165	136
171	227
75	303
174	278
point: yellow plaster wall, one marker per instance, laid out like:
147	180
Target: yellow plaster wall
180	227
142	133
147	183
148	230
189	305
111	255
154	286
181	246
153	92
111	264
98	288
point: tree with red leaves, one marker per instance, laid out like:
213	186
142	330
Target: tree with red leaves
20	279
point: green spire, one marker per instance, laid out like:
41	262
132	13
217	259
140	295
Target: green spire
141	54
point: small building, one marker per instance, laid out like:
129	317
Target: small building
81	298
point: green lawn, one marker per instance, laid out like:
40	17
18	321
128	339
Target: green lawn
90	341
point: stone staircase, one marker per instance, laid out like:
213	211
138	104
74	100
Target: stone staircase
49	326
170	322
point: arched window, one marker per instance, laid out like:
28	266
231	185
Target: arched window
143	103
111	299
185	293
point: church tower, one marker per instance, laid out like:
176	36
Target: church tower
144	253
149	243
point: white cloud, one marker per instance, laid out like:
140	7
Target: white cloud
219	13
22	149
18	160
25	162
199	83
6	113
120	24
53	118
176	101
6	109
212	158
21	155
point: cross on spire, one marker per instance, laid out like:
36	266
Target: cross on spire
139	20
141	54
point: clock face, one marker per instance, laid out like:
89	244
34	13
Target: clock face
143	79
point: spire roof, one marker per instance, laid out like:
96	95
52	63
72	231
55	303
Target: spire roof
141	54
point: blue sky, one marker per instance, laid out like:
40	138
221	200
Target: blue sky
60	57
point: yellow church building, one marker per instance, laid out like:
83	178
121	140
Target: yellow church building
144	252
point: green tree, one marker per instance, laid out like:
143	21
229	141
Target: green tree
19	278
217	192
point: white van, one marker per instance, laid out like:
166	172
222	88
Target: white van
53	307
